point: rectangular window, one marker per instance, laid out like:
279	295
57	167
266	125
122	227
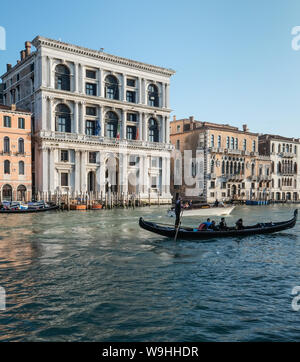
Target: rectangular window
178	145
92	157
91	111
7	121
64	155
131	82
90	74
130	96
154	182
64	179
21	123
131	117
91	89
90	128
131	133
212	184
186	127
154	162
132	160
178	129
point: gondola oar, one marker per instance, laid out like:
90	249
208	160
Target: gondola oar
178	225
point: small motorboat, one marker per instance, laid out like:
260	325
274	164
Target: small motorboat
188	233
204	211
31	207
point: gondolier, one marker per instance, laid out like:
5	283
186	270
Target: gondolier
177	211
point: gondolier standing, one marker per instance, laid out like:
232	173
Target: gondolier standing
177	211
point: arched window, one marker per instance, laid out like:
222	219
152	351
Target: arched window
212	141
6	145
7	167
273	148
295	150
227	142
7	193
62	77
253	146
279	167
21	168
153	130
21	191
236	144
21	146
153	98
278	182
295	167
279	148
232	143
245	144
111	87
252	169
112	125
63	118
223	167
212	166
219	141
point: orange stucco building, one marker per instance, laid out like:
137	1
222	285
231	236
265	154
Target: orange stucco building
15	154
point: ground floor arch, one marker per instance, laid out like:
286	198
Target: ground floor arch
7	193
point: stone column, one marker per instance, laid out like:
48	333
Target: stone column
140	126
163	176
44	112
167	129
102	173
145	127
82	118
77	171
100	89
124	87
82	76
45	166
162	101
83	171
101	120
50	72
140	91
51	115
76	117
51	170
124	125
167	91
163	129
76	77
167	172
123	178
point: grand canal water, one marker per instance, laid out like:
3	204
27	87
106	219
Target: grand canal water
95	276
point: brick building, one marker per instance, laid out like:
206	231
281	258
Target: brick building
15	154
217	161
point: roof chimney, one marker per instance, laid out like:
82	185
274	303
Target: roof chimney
245	128
22	54
27	48
174	118
191	118
8	67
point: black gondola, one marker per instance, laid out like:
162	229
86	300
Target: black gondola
188	233
29	210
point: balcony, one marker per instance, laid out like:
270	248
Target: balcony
264	178
114	142
287	154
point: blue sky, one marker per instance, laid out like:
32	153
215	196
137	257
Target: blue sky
233	58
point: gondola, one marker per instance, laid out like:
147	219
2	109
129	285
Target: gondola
188	233
29	210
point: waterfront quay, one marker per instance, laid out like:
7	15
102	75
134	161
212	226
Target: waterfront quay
98	277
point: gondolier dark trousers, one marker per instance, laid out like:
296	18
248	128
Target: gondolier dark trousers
177	219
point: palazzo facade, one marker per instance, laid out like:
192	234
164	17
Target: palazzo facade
100	122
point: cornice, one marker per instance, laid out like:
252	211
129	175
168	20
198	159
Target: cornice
77	97
40	41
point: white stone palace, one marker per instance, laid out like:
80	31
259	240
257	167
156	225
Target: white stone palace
92	110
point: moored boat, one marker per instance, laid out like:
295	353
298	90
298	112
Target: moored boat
204	211
188	233
14	208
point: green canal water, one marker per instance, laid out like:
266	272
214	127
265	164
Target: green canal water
95	276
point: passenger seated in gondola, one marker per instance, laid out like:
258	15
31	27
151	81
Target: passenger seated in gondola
186	205
213	226
239	224
205	225
223	225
